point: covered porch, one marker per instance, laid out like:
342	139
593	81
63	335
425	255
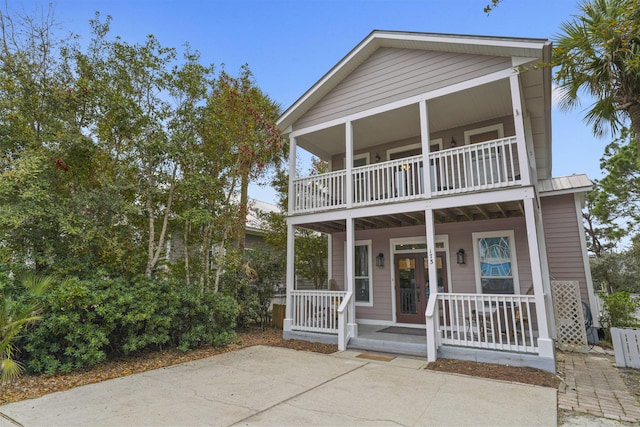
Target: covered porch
489	328
466	317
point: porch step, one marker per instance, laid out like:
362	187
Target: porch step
393	347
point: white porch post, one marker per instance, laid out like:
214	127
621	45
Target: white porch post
518	120
424	139
329	258
292	173
288	320
290	273
544	262
432	323
349	159
352	327
545	343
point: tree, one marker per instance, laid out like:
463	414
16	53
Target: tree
616	197
242	128
598	52
490	6
52	203
616	272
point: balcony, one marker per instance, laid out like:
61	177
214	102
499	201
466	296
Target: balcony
471	168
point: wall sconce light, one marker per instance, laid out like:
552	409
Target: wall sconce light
460	256
453	143
380	260
377	157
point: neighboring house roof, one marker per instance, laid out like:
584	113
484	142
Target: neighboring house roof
577	183
521	50
255	224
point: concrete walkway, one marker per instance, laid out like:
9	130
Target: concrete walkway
592	385
276	386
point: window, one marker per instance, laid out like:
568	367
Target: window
363	288
486	133
495	262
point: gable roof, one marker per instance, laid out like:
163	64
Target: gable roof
530	48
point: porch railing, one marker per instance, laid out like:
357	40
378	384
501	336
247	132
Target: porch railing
316	310
395	180
475	167
320	192
498	322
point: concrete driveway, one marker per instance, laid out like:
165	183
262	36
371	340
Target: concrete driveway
276	386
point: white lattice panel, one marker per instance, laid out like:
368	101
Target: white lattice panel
567	308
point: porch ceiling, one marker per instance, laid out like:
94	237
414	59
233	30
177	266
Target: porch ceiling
474	105
441	216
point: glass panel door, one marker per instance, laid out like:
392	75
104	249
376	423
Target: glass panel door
410	288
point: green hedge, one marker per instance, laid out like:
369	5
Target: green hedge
86	321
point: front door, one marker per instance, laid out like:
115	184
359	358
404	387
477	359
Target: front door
412	285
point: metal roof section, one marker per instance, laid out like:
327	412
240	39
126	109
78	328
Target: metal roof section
577	183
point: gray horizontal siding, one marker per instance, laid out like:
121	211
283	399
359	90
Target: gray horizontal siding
393	74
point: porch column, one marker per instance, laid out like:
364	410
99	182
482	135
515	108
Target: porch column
329	258
544	262
424	139
292	173
352	327
432	322
349	159
288	320
518	120
545	343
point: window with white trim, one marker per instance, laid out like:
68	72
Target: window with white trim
495	262
487	133
362	263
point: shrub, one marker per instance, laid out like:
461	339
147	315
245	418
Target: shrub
204	319
619	311
86	321
71	333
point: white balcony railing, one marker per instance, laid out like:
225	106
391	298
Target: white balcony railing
316	311
498	322
319	192
475	167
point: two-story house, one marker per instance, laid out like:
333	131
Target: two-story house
440	206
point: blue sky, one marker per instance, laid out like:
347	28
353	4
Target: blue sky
290	44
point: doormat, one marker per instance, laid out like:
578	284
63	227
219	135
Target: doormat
379	357
404	331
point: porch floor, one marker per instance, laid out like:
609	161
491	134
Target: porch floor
390	339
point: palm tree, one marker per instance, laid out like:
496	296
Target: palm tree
14	318
598	53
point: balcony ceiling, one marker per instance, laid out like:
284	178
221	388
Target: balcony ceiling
456	110
441	216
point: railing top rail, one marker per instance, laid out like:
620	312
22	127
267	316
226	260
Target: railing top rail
321	176
431	306
388	163
473	147
345	302
486	296
316	291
